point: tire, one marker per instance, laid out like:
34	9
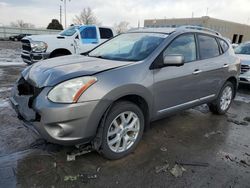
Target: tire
221	105
112	130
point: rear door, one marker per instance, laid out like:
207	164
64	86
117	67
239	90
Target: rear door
105	34
213	64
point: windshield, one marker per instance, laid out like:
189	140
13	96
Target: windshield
129	46
243	49
69	31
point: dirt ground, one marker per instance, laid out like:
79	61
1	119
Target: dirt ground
215	149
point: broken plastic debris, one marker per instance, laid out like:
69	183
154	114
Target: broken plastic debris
237	122
177	171
163	168
71	156
193	164
70	178
207	135
98	169
247	119
83	177
164	149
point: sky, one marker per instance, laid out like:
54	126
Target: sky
40	12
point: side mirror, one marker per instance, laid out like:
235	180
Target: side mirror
173	60
77	37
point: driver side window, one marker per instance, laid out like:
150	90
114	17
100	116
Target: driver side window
89	35
183	45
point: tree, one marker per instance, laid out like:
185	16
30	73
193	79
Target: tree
121	27
86	17
54	24
22	24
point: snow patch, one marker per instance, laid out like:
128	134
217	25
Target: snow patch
4	89
10	55
6	64
4	103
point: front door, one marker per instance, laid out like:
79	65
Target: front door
88	38
178	87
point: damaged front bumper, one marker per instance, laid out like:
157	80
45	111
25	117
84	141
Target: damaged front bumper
65	124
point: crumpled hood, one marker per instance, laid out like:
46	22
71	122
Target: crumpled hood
244	59
53	71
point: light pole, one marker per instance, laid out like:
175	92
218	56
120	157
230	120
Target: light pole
65	11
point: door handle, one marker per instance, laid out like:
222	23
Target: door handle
197	71
225	65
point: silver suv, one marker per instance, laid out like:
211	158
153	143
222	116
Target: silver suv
108	96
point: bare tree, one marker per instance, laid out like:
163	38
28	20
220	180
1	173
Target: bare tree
22	24
86	17
121	27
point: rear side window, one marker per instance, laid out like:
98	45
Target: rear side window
183	45
105	33
208	47
223	45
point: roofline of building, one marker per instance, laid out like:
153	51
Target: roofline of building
199	18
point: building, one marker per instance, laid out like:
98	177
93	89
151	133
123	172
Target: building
236	32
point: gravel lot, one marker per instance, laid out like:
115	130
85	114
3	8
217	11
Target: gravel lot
220	143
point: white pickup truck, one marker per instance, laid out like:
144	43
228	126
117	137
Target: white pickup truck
74	40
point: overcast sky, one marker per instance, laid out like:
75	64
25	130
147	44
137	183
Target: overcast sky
40	12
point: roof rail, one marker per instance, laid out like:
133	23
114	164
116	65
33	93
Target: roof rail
199	28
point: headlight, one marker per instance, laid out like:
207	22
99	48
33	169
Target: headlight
71	90
38	46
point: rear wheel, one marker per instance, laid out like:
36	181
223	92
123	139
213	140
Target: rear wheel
121	130
224	100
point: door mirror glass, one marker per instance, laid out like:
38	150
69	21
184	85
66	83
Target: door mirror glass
173	60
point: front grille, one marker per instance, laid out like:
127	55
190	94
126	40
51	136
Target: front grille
245	68
26	45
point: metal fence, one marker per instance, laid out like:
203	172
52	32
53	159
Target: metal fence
6	32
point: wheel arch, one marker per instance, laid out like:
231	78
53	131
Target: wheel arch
60	51
234	81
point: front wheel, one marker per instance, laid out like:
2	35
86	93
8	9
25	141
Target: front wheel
121	130
222	103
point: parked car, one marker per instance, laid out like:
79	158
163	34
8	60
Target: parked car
109	96
74	40
243	52
18	37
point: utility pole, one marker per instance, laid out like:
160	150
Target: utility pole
65	12
60	14
207	12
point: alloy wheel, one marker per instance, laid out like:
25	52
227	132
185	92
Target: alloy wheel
123	131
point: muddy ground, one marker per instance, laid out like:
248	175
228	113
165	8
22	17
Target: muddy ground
220	143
